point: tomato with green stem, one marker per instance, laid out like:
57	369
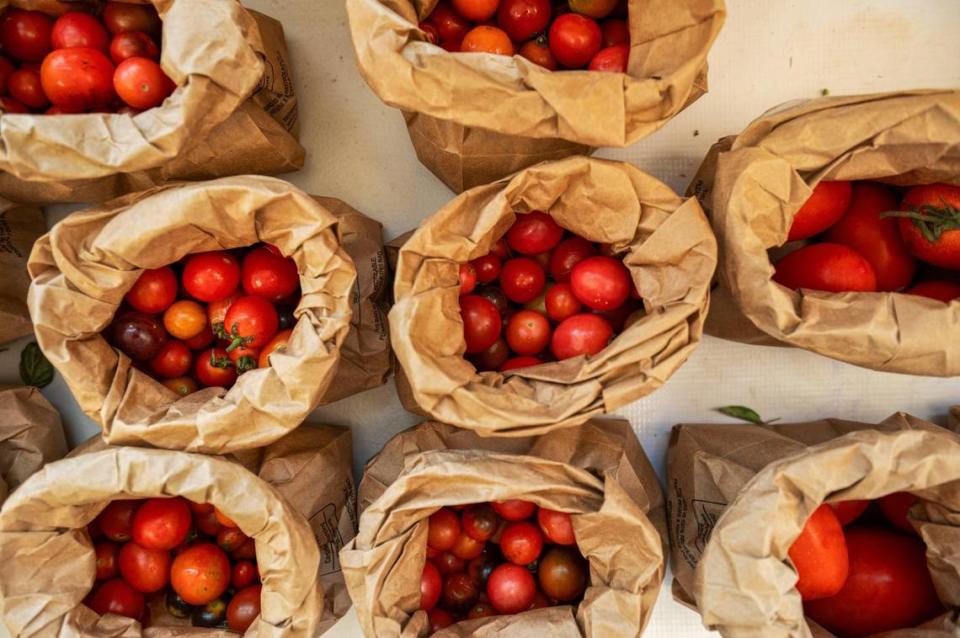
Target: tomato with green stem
213	368
929	222
250	321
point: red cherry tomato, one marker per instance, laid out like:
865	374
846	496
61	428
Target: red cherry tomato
828	267
117	597
244	573
78	79
468	278
511	589
116	520
439	619
460	592
583	334
451	27
476	10
481	323
244	608
173	361
875	238
448	564
26	34
560	302
615	32
822	210
484	39
487	268
466	548
534	233
153	291
107	565
520	362
528	332
523	19
200	574
251	321
244	358
443	529
207	523
568	254
77	29
849	511
819	555
574	40
493	357
895	508
514	509
269	274
611	60
521	543
247	551
557	526
211	276
141	83
135	44
563	573
480	522
162	523
601	283
214	369
933	235
230	539
121	17
945	291
430	586
538	52
889	586
26	87
522	279
147	570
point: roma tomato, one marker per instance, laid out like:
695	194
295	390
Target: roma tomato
200	574
874	237
214	369
511	588
560	302
78	29
523	19
121	17
601	283
597	9
162	523
117	597
522	279
78	79
173	361
185	319
153	291
568	254
450	25
822	210
534	233
556	526
468	278
211	276
538	52
181	385
141	83
244	573
493	357
895	508
563	573
116	520
945	291
521	543
460	592
930	224
280	343
487	268
484	39
26	87
849	511
147	570
574	40
244	608
889	586
267	273
528	332
611	60
26	34
828	267
135	44
615	32
107	566
251	321
481	323
443	528
520	362
583	334
476	10
466	548
819	555
480	522
514	509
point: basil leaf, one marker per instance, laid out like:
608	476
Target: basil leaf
35	370
743	413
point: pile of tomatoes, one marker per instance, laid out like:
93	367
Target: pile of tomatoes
187	557
572	34
496	558
862	568
82	63
872	239
510	321
235	309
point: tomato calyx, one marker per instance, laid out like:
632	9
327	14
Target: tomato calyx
220	362
245	363
236	339
932	221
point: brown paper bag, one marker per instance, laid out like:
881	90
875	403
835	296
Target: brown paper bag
30	435
20	226
763	176
726	482
665	241
477	118
84	266
598	472
234	112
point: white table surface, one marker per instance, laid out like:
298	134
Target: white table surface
770	51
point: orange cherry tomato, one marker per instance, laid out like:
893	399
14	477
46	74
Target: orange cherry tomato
277	344
185	319
484	39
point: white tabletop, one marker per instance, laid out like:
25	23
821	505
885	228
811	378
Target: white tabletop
770	51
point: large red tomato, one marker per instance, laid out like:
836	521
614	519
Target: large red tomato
534	233
211	276
828	267
481	323
514	509
200	574
889	586
153	291
162	523
511	588
819	555
874	237
521	543
116	520
141	83
895	508
26	34
147	570
523	19
945	291
601	283
78	79
78	29
822	210
574	40
251	321
117	597
583	334
563	573
443	528
522	279
556	526
528	332
931	228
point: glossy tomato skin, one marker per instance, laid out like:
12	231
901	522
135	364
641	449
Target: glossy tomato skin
889	586
521	543
213	369
153	291
487	268
79	79
135	44
568	254
481	323
534	233
523	19
563	573
448	564
520	362
122	17
211	276
244	573
200	574
185	319
611	59
26	87
945	250
849	511
486	39
819	555
511	588
528	332
514	509
560	302
480	522
476	10
557	527
78	29
162	523
945	291
468	278
147	570
583	334
522	279
244	608
268	274
450	25
117	597
251	321
443	528
107	554
26	34
601	283
876	238
574	40
466	548
141	83
828	267
538	52
895	508
615	32
116	520
138	335
174	360
460	592
824	208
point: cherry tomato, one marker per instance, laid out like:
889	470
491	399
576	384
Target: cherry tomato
528	332
251	321
819	554
244	573
106	553
117	597
244	608
213	368
230	539
523	19
828	267
451	27
460	592
466	547
147	570
945	291
439	619
174	360
563	573
511	588
932	232
121	17
889	586
480	522
495	296
615	32
78	29
244	359
601	283
78	79
26	34
568	254
25	87
487	268
534	233
247	551
574	40
521	543
493	357
514	509
476	10
267	273
185	319
611	59
430	586
448	564
200	574
181	385
468	278
162	523
153	291
217	312
279	343
583	334
522	279
141	83
538	52
484	39
10	105
201	340
520	362
207	523
560	302
443	529
556	526
135	44
6	70
597	9
116	520
895	508
211	276
849	511
481	323
822	210
875	238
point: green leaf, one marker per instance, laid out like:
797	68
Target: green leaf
35	370
743	413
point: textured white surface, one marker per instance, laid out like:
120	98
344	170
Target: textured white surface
770	51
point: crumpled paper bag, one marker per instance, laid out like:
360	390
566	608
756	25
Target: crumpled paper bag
665	242
82	269
739	495
475	118
20	227
752	186
31	435
235	112
598	472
